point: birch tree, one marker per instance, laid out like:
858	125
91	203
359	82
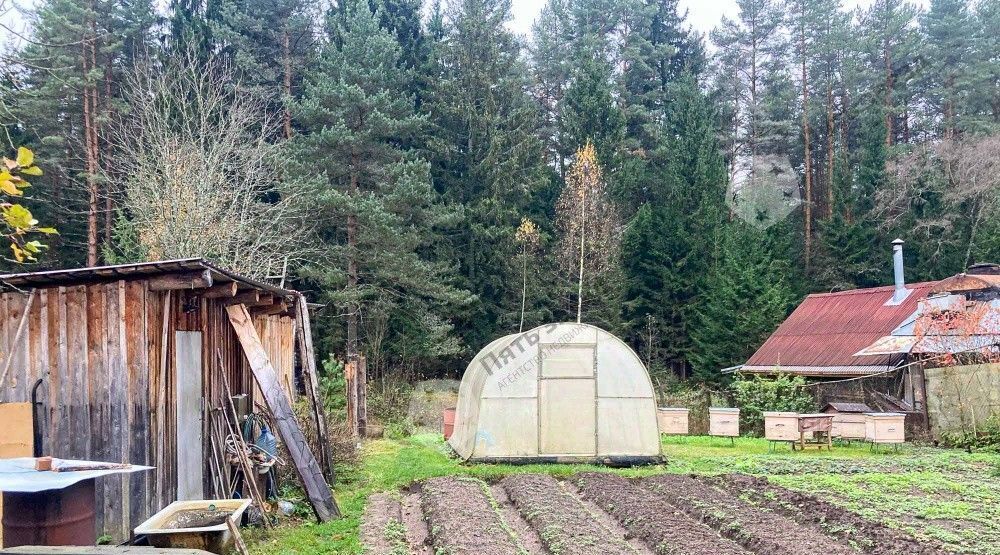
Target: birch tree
588	223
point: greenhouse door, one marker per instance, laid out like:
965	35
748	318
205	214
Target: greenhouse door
567	401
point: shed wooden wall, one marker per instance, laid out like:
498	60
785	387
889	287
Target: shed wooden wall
99	349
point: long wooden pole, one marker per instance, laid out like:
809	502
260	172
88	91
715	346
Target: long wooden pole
308	357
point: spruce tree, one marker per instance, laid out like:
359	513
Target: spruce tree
948	56
748	296
486	157
378	210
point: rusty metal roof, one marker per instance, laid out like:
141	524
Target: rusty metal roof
822	335
75	276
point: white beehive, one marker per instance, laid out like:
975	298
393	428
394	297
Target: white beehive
672	420
885	427
723	422
781	426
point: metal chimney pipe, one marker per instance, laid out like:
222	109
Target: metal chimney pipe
901	292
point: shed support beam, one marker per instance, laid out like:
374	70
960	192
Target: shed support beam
318	491
221	291
279	307
247	298
186	280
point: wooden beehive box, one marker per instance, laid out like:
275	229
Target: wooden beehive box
781	426
848	419
723	422
672	420
885	427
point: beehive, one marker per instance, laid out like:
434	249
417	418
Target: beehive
781	426
885	427
723	422
672	420
849	426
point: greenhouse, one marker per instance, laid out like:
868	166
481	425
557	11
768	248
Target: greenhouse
563	392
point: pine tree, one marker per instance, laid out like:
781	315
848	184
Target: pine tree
948	56
74	67
378	208
890	46
270	43
590	113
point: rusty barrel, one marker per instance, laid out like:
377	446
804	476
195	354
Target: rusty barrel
449	423
51	517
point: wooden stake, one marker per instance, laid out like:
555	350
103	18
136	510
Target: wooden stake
309	372
241	547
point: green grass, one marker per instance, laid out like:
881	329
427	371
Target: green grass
939	487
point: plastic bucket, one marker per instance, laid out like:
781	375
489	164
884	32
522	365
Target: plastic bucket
449	423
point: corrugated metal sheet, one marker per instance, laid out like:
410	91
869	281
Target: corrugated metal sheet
822	335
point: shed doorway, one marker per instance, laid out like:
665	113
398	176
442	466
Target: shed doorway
567	400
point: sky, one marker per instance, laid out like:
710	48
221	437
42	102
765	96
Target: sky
703	15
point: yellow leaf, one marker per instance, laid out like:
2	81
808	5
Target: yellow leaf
32	170
9	188
25	157
18	217
18	253
48	230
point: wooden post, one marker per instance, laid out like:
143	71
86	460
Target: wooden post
319	493
308	358
350	377
362	381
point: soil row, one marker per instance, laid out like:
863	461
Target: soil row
647	517
561	520
382	529
869	537
463	518
760	531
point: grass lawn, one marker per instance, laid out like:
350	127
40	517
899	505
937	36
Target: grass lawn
945	494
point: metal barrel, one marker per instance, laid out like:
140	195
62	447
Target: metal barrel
52	517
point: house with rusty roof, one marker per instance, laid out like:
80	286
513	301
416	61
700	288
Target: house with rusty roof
921	348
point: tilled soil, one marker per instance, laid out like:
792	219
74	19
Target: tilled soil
463	520
563	523
382	530
664	528
870	537
760	531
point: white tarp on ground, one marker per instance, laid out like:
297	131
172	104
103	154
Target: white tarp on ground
20	475
567	391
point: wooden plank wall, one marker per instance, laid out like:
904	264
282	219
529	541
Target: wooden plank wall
99	349
91	346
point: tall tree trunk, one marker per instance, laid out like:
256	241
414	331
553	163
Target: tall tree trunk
352	288
286	51
108	203
583	235
90	137
806	146
829	146
887	55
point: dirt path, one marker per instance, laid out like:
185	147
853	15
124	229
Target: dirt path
870	537
382	530
418	536
665	529
758	530
463	521
563	523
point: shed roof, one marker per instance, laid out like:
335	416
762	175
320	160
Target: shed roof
74	276
822	335
847	407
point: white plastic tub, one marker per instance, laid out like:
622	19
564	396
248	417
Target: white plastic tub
163	530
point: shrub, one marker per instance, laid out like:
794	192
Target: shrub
985	437
755	395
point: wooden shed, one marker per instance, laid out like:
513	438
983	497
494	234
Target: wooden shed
128	361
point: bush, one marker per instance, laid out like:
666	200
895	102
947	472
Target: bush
985	437
755	395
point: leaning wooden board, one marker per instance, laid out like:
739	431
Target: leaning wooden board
18	438
320	495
